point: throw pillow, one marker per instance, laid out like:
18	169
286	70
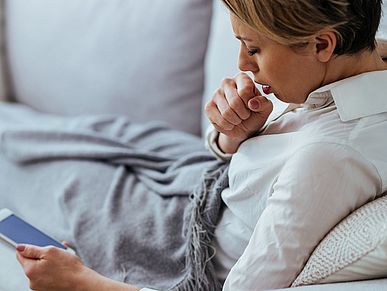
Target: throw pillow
143	59
356	249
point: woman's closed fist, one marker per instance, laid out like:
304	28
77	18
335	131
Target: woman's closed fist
237	110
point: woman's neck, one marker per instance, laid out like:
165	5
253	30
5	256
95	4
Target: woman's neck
346	66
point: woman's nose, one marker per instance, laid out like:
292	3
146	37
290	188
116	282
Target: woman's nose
246	62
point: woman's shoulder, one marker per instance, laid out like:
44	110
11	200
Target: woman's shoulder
359	134
359	142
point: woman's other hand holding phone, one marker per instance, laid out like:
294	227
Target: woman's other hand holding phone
237	110
54	269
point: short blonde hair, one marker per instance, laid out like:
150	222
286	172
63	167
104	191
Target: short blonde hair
294	22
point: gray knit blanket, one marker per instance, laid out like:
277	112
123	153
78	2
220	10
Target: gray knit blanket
138	201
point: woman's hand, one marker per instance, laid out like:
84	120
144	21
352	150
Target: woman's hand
237	110
54	269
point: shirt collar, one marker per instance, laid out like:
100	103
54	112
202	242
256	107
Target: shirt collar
355	97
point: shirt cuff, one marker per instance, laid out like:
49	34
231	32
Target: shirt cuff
212	136
147	289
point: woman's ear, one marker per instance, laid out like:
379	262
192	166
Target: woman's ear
325	44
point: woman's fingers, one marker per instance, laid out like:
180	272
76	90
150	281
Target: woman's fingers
260	104
246	87
27	256
237	109
261	108
66	244
231	101
234	100
22	260
30	251
49	268
216	117
224	107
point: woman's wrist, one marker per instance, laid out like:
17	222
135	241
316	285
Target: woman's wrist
93	281
227	144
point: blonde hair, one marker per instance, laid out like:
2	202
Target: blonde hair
294	22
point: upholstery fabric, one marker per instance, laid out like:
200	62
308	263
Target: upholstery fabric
143	59
222	54
356	249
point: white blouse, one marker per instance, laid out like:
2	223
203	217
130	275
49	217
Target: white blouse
305	172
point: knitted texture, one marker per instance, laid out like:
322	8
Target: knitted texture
352	239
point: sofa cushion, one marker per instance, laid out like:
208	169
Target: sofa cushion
222	54
356	249
143	59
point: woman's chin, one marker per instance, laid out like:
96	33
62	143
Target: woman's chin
281	97
289	98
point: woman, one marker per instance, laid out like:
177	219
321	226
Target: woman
292	180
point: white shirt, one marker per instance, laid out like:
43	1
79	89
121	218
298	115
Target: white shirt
305	172
291	184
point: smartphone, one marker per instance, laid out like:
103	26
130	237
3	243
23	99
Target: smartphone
15	230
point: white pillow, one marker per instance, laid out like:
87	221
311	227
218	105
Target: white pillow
140	58
356	249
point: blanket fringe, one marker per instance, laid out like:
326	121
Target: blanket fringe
201	223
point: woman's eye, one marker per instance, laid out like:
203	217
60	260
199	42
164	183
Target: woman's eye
252	52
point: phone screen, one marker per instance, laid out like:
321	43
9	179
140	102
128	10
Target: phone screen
21	232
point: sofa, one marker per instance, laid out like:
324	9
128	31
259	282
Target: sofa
158	60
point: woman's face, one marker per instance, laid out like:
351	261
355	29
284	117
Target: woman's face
288	73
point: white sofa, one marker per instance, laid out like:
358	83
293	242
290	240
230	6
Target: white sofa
143	59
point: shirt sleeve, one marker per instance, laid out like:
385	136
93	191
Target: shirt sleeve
212	144
320	185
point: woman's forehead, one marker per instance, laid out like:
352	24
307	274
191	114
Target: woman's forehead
245	32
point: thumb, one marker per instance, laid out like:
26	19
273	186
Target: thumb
29	251
260	104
